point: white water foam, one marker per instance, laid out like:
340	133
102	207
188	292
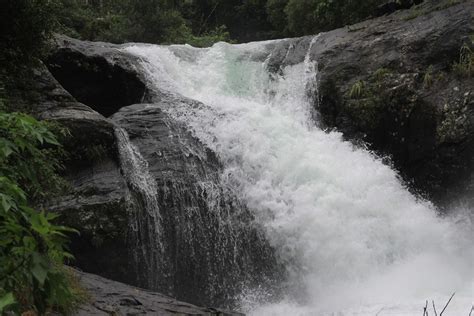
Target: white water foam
354	240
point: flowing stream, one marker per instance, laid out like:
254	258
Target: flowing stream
353	239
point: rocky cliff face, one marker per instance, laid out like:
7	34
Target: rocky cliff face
395	84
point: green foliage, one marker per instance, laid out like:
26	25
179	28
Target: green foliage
313	16
151	21
465	66
201	22
357	90
277	16
23	160
417	11
32	248
219	34
380	73
25	25
428	77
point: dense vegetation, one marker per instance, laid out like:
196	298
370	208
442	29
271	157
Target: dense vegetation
32	248
202	22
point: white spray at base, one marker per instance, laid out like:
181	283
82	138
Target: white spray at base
354	240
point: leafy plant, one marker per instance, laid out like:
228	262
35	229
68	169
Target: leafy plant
32	248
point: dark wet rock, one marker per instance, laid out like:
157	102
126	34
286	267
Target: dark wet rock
94	205
390	83
212	246
97	209
97	74
113	298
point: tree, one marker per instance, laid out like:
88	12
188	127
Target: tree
25	27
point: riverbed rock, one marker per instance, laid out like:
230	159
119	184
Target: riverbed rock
108	297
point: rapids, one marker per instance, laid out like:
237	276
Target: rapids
353	239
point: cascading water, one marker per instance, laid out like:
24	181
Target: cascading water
189	237
351	236
145	219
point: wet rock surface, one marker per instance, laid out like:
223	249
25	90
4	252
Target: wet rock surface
97	74
212	247
113	298
392	84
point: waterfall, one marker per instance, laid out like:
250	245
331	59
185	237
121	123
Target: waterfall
145	229
352	238
189	236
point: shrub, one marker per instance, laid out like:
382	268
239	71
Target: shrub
32	248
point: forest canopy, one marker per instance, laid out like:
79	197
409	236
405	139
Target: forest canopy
201	22
197	22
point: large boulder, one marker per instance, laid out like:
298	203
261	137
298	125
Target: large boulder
97	74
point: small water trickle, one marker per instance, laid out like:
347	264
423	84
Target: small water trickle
145	234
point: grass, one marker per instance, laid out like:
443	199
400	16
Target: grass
428	77
465	66
357	90
380	73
